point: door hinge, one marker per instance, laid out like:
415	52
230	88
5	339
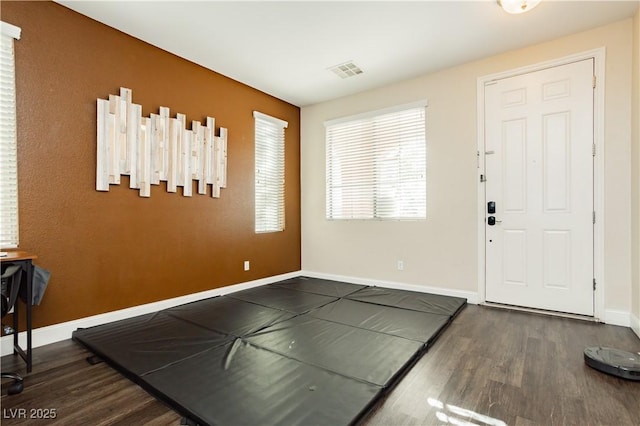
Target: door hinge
594	284
594	217
593	149
594	81
483	178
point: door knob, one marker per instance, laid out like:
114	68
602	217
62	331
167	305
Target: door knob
491	220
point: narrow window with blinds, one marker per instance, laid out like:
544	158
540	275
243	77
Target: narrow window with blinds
376	165
269	178
8	141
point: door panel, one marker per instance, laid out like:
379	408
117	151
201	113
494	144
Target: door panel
515	257
557	259
514	150
557	167
539	171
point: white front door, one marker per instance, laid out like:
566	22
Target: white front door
539	175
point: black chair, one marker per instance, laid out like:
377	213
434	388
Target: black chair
10	280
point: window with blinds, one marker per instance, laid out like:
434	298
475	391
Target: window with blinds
376	165
8	142
269	178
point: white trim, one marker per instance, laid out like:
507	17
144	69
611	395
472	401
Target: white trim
7	29
598	138
635	325
598	180
538	311
417	104
481	241
611	317
621	318
472	297
58	332
274	120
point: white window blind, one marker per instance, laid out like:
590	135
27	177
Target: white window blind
8	142
269	142
376	165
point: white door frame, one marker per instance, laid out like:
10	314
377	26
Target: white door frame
598	178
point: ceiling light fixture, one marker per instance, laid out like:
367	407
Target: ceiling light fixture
518	6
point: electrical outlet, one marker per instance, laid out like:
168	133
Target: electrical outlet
246	265
400	265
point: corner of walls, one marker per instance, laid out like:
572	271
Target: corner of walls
635	176
619	318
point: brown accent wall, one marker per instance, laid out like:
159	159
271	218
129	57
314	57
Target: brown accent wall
112	250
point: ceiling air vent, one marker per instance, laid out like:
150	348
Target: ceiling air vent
346	70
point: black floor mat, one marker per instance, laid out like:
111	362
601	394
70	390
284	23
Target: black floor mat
414	325
350	351
297	352
253	386
320	286
229	316
423	302
297	302
148	342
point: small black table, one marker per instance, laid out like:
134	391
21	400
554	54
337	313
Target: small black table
25	261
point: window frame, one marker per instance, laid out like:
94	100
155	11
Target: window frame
269	213
9	213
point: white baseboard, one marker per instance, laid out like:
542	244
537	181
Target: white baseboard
635	325
621	318
58	332
472	297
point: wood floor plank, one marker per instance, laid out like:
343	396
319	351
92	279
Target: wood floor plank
500	401
530	370
490	367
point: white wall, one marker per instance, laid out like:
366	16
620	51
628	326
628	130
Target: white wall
442	251
635	189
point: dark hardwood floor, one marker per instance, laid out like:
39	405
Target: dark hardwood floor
490	367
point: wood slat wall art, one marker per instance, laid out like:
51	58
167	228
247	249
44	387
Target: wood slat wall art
157	148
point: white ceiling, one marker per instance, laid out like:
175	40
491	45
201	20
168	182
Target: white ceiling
286	48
